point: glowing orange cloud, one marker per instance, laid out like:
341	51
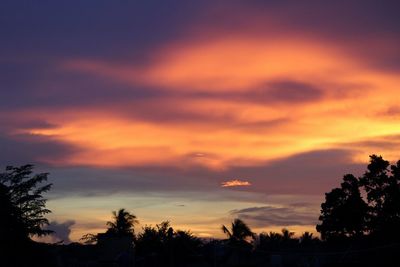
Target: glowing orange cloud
228	64
234	183
233	129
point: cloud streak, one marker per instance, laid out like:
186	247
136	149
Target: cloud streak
268	216
234	183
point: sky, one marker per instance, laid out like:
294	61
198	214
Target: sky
197	112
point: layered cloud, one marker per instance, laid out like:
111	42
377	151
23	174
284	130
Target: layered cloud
268	216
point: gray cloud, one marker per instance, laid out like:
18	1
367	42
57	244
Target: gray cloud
276	216
61	231
25	148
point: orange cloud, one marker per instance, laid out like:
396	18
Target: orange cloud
228	64
326	98
234	183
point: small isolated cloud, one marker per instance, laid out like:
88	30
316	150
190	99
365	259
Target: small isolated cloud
61	231
236	182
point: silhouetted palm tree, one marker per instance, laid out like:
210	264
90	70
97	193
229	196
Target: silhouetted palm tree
239	231
306	236
286	234
123	223
270	241
307	239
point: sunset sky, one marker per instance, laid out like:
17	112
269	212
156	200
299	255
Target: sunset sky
197	112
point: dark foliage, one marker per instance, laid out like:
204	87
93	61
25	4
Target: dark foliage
23	210
163	246
239	231
21	195
123	223
281	241
381	182
345	214
11	224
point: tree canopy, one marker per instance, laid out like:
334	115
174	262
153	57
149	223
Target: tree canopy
123	223
23	206
238	231
346	214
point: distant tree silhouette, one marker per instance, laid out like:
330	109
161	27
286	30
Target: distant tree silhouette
89	239
273	241
307	239
287	235
23	207
152	239
344	212
166	246
270	241
238	231
273	236
123	223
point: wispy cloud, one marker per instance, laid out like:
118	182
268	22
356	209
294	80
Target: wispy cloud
234	183
277	216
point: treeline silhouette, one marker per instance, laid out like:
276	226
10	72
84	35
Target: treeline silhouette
359	226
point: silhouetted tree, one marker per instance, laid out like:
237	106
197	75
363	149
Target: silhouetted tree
288	239
89	239
307	239
382	185
270	241
165	246
22	204
123	223
238	231
238	247
286	234
185	247
152	239
344	212
22	215
11	226
273	241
